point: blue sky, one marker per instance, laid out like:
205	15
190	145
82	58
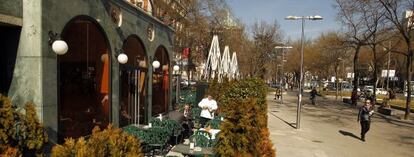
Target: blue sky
249	11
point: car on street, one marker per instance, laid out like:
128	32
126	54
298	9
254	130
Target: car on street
184	82
381	91
368	89
275	85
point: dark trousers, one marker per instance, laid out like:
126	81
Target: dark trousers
203	121
188	128
364	128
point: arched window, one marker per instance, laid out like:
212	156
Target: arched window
160	94
133	83
83	74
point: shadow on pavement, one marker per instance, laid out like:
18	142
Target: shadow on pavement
293	125
346	133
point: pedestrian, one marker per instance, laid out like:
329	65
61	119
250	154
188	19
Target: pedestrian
187	124
313	96
364	117
208	106
278	93
354	98
391	94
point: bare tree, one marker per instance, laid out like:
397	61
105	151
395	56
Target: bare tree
265	37
373	16
394	13
352	15
331	53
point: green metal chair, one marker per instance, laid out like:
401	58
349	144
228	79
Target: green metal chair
200	140
157	139
173	128
203	133
214	123
155	121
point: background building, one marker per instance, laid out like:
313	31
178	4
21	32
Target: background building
87	86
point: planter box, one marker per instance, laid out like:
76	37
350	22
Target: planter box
347	100
386	111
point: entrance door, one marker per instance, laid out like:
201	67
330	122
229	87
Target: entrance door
84	79
9	42
132	96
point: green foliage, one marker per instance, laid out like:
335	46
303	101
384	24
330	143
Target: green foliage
155	121
7	114
244	130
108	142
214	123
21	131
153	135
32	134
172	126
188	97
157	135
195	114
200	140
137	132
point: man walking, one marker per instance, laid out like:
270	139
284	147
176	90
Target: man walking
364	117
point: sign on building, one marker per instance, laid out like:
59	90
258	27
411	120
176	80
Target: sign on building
384	73
350	75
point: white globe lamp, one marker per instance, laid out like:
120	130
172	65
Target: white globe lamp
60	47
176	68
122	58
156	64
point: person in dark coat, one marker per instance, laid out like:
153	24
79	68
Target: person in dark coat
188	123
176	114
364	117
313	94
354	98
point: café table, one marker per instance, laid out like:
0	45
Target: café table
185	150
213	132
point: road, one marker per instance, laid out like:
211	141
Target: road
330	129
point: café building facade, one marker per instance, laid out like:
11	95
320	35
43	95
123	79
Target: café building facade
85	62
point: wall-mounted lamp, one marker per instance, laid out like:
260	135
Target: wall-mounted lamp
59	46
121	56
176	68
156	64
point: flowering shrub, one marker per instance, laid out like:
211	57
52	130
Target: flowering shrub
244	131
108	142
20	132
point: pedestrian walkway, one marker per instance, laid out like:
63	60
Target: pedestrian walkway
330	129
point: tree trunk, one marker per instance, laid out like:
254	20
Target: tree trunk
355	82
409	70
336	82
374	94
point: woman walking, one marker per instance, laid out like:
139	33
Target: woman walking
364	117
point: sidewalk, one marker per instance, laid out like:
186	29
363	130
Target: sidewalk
398	114
330	129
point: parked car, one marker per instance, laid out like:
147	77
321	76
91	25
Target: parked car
275	85
381	91
184	82
368	89
349	88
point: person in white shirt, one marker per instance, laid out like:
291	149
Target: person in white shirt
208	106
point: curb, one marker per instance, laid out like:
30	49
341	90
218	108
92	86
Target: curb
409	122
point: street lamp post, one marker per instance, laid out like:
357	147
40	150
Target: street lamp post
283	75
343	71
176	69
316	17
388	67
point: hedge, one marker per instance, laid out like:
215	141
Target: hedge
244	131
